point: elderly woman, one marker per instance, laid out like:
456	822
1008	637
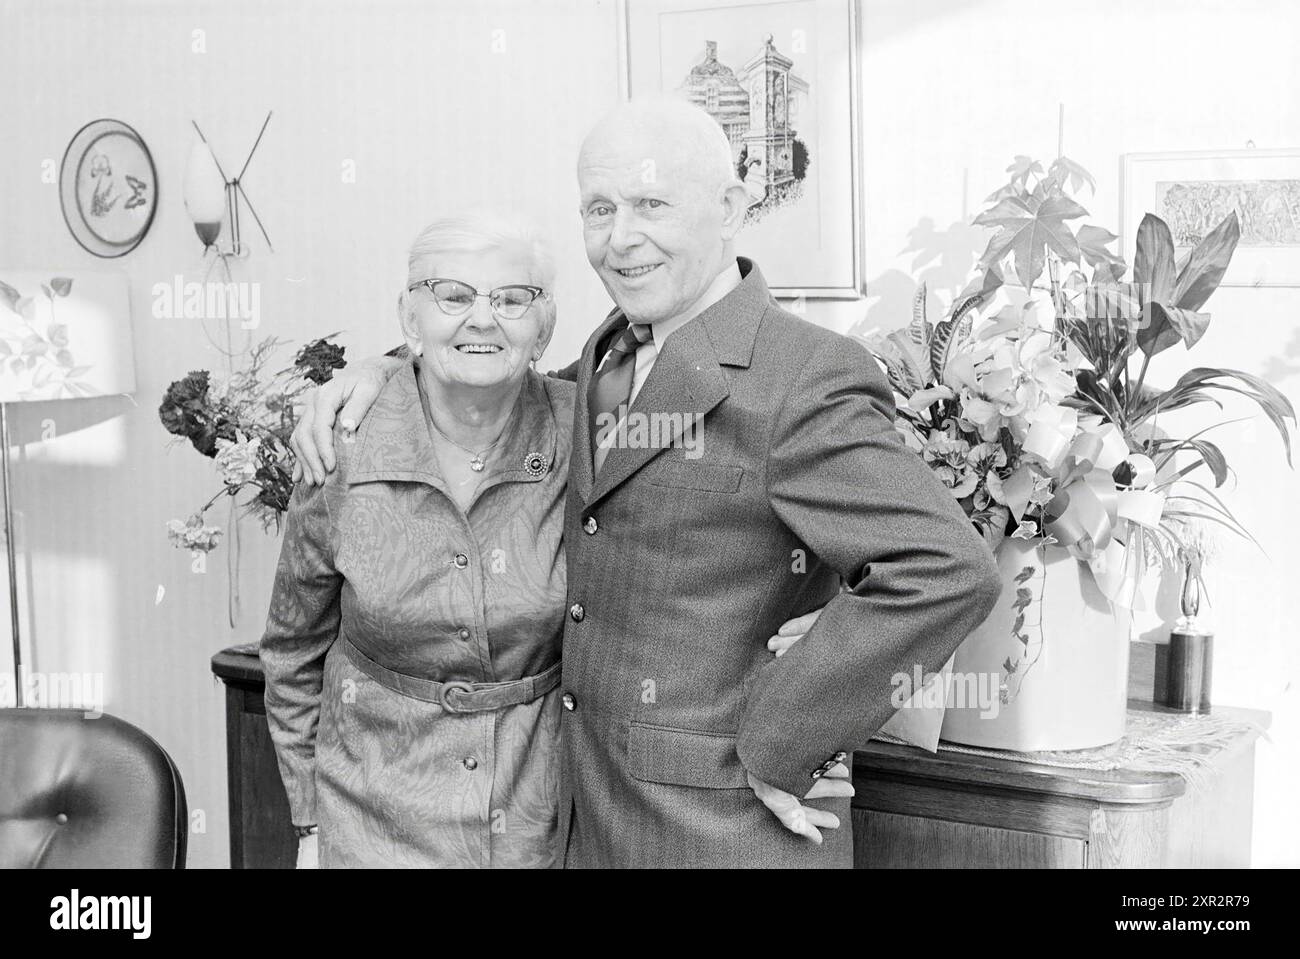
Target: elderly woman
412	650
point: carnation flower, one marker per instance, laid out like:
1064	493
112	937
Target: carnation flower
318	360
184	406
238	461
193	535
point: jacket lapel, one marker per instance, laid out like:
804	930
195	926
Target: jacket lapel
685	383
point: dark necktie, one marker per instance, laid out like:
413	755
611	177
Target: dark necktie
611	386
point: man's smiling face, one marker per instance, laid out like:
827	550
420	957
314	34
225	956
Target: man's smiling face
653	217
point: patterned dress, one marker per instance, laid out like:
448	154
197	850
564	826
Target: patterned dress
385	587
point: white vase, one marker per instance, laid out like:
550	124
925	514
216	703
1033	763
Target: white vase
1071	689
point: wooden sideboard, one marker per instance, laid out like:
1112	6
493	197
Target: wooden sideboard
912	808
954	810
261	834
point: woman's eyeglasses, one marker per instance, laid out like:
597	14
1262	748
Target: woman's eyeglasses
455	298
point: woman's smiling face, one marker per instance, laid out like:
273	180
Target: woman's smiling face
477	348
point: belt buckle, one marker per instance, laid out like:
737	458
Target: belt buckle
454	685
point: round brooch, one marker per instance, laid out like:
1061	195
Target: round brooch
535	464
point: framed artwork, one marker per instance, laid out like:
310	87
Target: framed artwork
781	79
108	188
1193	192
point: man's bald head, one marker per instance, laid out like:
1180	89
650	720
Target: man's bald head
672	130
661	205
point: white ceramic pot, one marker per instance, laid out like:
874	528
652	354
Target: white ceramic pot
1074	695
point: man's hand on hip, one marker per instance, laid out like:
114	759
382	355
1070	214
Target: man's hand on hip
794	815
351	391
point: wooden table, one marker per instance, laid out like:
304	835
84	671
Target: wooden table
951	810
912	809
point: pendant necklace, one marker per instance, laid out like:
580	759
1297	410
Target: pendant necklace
476	462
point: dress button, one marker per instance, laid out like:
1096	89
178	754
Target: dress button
463	633
569	702
461	560
590	526
471	763
577	612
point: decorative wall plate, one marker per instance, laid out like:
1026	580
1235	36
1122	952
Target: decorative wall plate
108	188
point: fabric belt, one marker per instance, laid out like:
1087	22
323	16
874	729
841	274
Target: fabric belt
456	696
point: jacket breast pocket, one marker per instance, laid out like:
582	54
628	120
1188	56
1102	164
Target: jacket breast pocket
683	474
684	757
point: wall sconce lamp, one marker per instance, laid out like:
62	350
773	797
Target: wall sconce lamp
212	198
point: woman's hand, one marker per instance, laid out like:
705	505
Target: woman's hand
792	631
352	390
308	852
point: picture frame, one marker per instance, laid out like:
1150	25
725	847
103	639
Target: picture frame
782	79
1194	191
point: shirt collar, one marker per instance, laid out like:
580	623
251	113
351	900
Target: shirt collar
393	441
722	284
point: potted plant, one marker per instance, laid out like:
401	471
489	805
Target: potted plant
1031	401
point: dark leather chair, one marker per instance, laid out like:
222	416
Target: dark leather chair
87	791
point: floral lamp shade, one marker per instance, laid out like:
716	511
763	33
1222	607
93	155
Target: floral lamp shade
64	335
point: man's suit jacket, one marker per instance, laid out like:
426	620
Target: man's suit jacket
680	569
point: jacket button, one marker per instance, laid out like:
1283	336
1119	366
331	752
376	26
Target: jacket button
590	526
463	633
577	612
461	560
471	763
569	702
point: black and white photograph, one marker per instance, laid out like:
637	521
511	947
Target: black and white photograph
622	435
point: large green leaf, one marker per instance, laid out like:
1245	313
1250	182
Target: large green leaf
1166	325
951	333
920	329
1272	401
913	364
1030	227
1203	269
1153	264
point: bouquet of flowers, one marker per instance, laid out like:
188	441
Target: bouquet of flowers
243	421
1024	398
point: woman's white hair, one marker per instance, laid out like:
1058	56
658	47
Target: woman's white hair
479	231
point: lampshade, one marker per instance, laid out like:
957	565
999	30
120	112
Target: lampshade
205	193
64	335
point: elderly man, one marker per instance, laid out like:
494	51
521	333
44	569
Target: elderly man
682	735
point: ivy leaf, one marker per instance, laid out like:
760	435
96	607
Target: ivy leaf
1029	227
1025	574
62	285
